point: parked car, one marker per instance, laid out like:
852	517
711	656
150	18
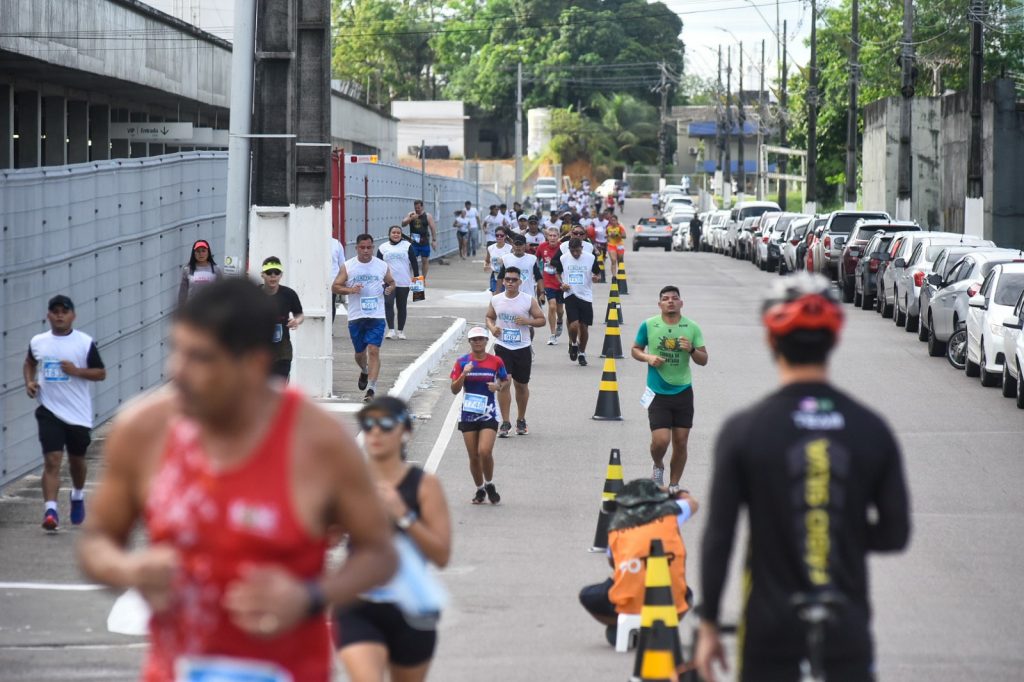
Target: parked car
744	236
866	269
768	221
775	243
814	235
947	310
863	230
837	228
678	203
947	259
909	282
711	231
740	212
899	261
653	231
987	309
1013	353
791	239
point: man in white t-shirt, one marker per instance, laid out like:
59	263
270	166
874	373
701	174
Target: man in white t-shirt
577	272
337	260
492	221
58	369
473	216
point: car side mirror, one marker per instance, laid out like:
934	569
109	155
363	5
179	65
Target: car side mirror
1013	323
935	279
899	263
978	301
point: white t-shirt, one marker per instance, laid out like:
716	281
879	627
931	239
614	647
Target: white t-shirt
600	229
526	263
462	224
67	397
535	239
513	336
564	248
368	303
398	257
577	272
337	257
491	223
474	219
547	222
496	254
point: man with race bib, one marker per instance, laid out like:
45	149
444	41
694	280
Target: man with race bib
422	232
576	272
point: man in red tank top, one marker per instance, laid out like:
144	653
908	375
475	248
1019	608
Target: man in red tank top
237	481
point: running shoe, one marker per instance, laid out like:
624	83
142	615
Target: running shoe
480	496
50	520
552	340
492	493
504	429
364	379
558	330
659	475
574	351
391	334
582	359
521	429
77	512
401	335
369	396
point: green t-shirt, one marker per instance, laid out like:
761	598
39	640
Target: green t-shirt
662	339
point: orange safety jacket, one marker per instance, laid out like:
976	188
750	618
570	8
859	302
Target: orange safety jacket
630	548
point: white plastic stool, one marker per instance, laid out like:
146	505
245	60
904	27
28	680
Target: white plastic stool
627	631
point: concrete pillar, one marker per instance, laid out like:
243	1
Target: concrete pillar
78	131
119	149
154	148
55	125
139	149
6	126
99	132
29	124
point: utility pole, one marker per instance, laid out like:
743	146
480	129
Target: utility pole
906	62
742	117
720	125
851	113
662	128
727	173
811	183
236	233
974	205
518	132
783	127
760	131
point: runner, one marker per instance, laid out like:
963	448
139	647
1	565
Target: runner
655	203
235	482
400	255
667	342
616	243
492	257
201	270
492	223
599	232
577	232
473	216
461	225
696	227
510	316
289	315
551	220
337	258
422	232
381	630
546	253
576	272
621	196
821	478
534	237
366	280
58	368
522	225
481	375
528	267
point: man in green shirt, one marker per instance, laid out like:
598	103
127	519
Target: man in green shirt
667	342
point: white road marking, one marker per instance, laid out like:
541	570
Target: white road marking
444	437
56	587
130	615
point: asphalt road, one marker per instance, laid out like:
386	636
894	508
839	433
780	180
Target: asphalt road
947	609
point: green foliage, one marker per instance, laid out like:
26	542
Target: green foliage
623	131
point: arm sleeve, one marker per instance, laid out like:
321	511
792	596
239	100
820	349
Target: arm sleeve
93	359
556	261
891	531
414	261
724	506
457	369
502	373
296	304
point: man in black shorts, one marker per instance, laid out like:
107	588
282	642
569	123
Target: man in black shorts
58	370
822	480
577	271
667	342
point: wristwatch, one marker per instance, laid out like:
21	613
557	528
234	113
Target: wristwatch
405	522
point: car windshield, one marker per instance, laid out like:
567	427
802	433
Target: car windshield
754	211
842	224
881	245
1008	291
932	252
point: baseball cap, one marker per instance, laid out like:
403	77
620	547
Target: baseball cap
477	333
273	265
60	300
201	244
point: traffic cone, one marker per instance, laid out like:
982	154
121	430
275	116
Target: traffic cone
612	485
614	302
600	263
621	276
608	395
612	339
659	607
656	662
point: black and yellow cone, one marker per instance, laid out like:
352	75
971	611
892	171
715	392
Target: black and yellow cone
608	395
659	606
614	302
656	663
621	277
612	485
612	338
600	263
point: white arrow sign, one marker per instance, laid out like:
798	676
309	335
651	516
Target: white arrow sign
151	131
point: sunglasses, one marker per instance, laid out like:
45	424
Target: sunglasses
511	280
386	424
272	273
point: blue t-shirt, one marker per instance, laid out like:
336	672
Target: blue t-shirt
478	403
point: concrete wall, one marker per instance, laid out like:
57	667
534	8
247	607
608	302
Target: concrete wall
438	123
354	124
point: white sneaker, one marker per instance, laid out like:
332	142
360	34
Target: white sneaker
401	335
552	340
391	334
658	475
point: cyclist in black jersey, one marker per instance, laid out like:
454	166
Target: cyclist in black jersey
822	479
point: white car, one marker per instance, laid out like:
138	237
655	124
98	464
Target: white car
768	222
986	312
1013	354
676	204
795	234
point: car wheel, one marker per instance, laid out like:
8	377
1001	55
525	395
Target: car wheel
971	368
636	247
935	347
782	268
1009	383
922	331
849	295
762	265
857	298
898	316
668	247
887	310
956	352
1020	389
988	379
867	302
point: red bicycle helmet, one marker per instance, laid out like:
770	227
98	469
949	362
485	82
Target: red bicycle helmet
803	301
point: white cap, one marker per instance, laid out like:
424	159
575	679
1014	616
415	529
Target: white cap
477	332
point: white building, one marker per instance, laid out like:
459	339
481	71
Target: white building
432	123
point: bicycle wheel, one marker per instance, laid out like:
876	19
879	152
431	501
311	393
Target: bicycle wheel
956	349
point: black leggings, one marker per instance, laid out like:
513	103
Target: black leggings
401	296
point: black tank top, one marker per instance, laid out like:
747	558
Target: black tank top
409	488
420	226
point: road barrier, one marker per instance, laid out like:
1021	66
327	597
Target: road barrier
659	609
608	394
620	276
612	338
614	303
612	486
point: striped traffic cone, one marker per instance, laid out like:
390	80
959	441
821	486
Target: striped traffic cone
659	607
612	485
612	339
621	277
600	263
656	663
614	302
608	395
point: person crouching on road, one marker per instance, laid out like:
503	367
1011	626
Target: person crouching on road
644	512
481	375
382	631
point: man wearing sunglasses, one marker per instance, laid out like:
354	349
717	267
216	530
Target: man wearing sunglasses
580	233
511	316
289	315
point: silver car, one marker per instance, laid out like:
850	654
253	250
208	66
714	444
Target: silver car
829	247
947	259
947	310
794	236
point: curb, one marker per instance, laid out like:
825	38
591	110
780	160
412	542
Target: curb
411	377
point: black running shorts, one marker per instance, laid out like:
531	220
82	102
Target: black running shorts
578	310
671	411
471	427
372	622
56	435
518	362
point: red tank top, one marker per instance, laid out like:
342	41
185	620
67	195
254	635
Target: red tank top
219	521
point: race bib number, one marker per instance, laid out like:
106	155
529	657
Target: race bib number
415	238
52	371
475	403
278	333
369	304
550	269
495	265
647	398
575	279
221	669
512	335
